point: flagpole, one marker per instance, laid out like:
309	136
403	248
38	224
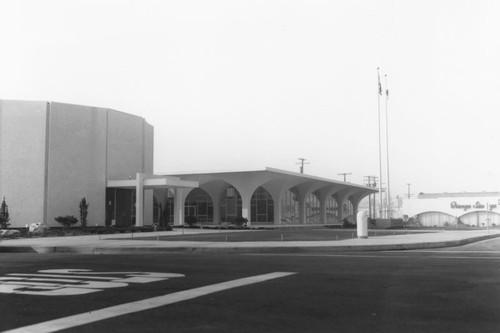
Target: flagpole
388	198
381	202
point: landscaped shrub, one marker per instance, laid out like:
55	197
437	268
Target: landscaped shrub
84	211
191	220
241	221
67	221
12	233
347	224
4	215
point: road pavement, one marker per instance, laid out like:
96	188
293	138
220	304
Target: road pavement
125	243
433	290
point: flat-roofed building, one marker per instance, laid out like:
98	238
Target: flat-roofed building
478	209
265	197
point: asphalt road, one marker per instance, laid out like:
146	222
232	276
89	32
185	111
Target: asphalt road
446	290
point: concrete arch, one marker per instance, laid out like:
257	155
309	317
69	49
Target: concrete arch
257	205
304	190
215	188
325	193
356	199
277	183
277	187
343	195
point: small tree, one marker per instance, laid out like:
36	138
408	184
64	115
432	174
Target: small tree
241	221
4	215
84	206
67	220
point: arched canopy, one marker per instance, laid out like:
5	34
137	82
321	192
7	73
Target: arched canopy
281	188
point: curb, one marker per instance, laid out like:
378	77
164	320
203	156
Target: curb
238	249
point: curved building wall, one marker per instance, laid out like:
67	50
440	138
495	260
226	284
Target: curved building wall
436	219
481	219
76	161
126	145
54	154
22	159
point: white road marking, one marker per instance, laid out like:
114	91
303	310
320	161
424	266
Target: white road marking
49	290
457	251
90	272
63	276
371	256
67	282
146	304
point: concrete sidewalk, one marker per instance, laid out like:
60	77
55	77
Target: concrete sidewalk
120	243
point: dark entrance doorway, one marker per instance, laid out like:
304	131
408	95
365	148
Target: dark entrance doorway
120	207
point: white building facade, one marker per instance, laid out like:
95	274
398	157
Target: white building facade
478	209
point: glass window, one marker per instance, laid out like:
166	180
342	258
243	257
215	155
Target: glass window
289	208
199	204
262	206
332	211
230	206
313	210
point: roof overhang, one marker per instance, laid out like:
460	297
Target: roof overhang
153	182
269	174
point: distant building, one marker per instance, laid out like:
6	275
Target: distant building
448	209
53	154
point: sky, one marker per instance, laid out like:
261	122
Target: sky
243	85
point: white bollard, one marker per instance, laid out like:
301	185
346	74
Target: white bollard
362	224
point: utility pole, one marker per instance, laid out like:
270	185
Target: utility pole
409	194
302	162
344	174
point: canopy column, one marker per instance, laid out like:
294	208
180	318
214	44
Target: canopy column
139	200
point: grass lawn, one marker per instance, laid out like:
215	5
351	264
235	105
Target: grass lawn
316	234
